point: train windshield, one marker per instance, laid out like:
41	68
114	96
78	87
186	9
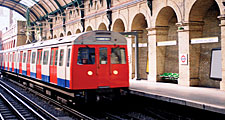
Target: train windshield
86	56
118	56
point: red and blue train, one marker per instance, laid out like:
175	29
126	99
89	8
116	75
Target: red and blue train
90	63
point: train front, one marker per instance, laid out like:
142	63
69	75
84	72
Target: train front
100	62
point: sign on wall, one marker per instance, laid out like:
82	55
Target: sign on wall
167	43
183	59
204	40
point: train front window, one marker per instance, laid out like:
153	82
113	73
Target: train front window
86	56
103	55
118	56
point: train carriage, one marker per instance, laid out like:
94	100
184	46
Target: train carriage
91	61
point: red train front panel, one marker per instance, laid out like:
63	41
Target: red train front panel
99	66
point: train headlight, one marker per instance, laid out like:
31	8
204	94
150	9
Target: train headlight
115	72
90	73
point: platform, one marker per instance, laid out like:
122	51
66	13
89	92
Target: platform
204	98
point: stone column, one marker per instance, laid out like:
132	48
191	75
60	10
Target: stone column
183	43
152	54
222	25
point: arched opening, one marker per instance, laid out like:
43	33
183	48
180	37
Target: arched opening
78	31
89	28
167	58
139	24
118	26
69	33
102	26
204	25
61	35
49	37
55	36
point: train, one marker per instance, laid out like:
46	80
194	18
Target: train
88	65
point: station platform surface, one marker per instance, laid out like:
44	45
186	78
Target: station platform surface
211	99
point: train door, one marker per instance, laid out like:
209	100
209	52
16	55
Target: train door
61	68
38	63
103	67
28	62
53	65
45	65
68	62
20	64
33	64
119	66
13	61
10	61
8	57
24	65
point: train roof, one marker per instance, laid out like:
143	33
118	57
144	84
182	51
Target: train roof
91	37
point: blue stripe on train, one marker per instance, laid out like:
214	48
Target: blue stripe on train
63	82
18	71
32	74
24	72
6	68
15	70
45	78
10	69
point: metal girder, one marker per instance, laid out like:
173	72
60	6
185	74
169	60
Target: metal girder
108	4
24	6
60	7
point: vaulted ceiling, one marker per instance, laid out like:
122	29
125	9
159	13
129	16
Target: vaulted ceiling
37	10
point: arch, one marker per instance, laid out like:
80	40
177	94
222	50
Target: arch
89	28
165	23
69	33
55	36
61	35
164	16
102	26
118	26
78	31
123	19
139	24
201	6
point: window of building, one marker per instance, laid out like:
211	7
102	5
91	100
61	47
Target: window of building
45	59
118	56
68	58
86	56
61	57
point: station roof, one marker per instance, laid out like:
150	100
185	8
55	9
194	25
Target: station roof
38	10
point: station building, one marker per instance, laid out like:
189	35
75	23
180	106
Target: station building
175	36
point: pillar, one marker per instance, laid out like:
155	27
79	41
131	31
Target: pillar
222	25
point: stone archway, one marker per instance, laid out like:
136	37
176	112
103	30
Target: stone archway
89	28
139	24
203	23
78	31
102	26
55	36
61	35
69	33
118	26
167	58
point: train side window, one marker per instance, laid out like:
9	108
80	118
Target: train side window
68	58
18	57
118	56
56	56
52	55
86	56
24	57
21	57
61	57
11	58
45	59
103	55
33	57
28	57
14	56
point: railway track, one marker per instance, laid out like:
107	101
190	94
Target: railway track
17	106
74	113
